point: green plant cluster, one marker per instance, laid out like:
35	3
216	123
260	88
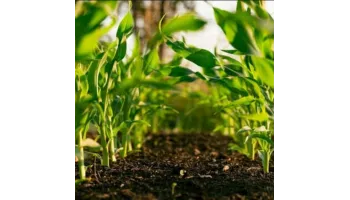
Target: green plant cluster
125	97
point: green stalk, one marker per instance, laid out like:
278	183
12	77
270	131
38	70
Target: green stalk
126	112
123	153
250	147
139	137
81	155
266	161
129	143
105	154
266	165
155	124
126	142
111	146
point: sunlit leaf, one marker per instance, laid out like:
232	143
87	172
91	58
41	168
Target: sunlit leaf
151	61
261	129
264	68
126	26
186	22
256	117
90	41
244	129
242	101
260	137
237	30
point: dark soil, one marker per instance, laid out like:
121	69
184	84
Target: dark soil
201	166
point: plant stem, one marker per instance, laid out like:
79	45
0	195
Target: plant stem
112	150
231	125
111	146
81	155
105	155
155	125
266	164
129	143
124	144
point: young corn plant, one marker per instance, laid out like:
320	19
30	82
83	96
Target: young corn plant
88	17
83	117
247	72
265	150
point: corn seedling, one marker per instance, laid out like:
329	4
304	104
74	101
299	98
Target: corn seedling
250	32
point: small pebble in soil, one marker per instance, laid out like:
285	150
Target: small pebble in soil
226	168
197	152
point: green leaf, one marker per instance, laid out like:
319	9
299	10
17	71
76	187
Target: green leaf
239	7
186	79
264	68
260	137
231	70
137	47
227	83
132	122
151	61
255	5
128	84
93	74
219	128
200	57
89	42
165	71
201	76
121	51
88	26
232	51
180	48
169	108
158	84
235	147
247	100
186	22
237	30
162	108
256	117
177	59
261	129
125	27
203	58
137	67
180	71
84	85
244	129
124	31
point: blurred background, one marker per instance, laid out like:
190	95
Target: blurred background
148	13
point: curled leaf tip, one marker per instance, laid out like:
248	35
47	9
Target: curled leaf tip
160	24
